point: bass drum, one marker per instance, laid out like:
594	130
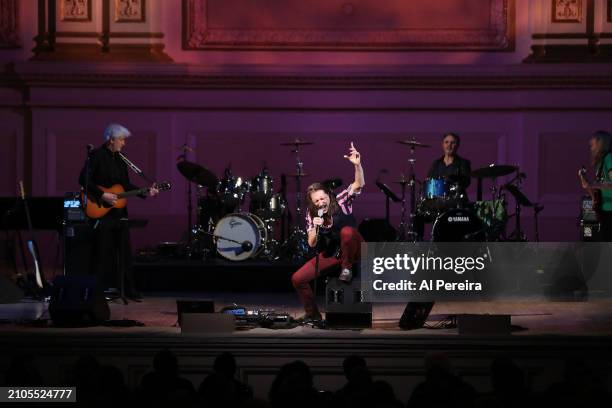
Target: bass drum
458	225
242	228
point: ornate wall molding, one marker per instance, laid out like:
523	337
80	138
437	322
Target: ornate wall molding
349	25
134	75
9	24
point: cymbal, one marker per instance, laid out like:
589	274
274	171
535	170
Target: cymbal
518	195
332	183
296	142
412	143
298	175
197	174
494	171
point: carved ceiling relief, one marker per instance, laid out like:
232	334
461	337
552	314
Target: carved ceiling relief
130	11
9	27
75	10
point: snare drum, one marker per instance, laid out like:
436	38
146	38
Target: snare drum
242	228
458	225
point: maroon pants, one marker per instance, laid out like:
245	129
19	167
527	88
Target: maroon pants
350	244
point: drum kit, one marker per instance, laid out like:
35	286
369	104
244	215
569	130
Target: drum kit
221	225
443	202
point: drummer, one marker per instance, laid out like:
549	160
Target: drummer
451	166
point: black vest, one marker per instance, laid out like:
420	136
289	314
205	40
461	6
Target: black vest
329	238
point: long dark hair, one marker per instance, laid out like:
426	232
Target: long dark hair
312	208
606	147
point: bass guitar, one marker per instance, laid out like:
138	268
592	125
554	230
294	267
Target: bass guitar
98	209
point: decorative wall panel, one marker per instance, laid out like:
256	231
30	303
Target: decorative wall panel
130	11
75	10
341	24
9	23
566	11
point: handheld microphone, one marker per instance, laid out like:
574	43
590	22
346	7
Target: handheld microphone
319	214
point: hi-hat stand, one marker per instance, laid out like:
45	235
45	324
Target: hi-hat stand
298	239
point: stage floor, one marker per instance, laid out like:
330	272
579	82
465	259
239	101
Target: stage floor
157	312
549	333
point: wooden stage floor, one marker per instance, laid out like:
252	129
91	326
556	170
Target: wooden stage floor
551	334
157	312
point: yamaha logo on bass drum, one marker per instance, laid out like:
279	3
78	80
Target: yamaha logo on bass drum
459	219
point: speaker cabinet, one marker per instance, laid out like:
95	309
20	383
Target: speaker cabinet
78	249
77	301
345	305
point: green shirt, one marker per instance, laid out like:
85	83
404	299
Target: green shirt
606	195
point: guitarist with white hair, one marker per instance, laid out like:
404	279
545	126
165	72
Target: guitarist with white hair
111	240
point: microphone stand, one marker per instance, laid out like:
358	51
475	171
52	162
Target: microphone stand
317	259
86	193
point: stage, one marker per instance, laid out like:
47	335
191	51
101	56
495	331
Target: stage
545	335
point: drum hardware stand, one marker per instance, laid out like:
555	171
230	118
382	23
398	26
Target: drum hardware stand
411	234
536	210
299	167
401	236
270	245
495	197
517	235
298	236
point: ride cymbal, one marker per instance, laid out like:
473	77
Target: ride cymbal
296	142
412	143
494	171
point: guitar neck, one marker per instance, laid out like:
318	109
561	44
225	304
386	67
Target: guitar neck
132	193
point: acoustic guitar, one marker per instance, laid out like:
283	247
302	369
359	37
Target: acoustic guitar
98	209
34	273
